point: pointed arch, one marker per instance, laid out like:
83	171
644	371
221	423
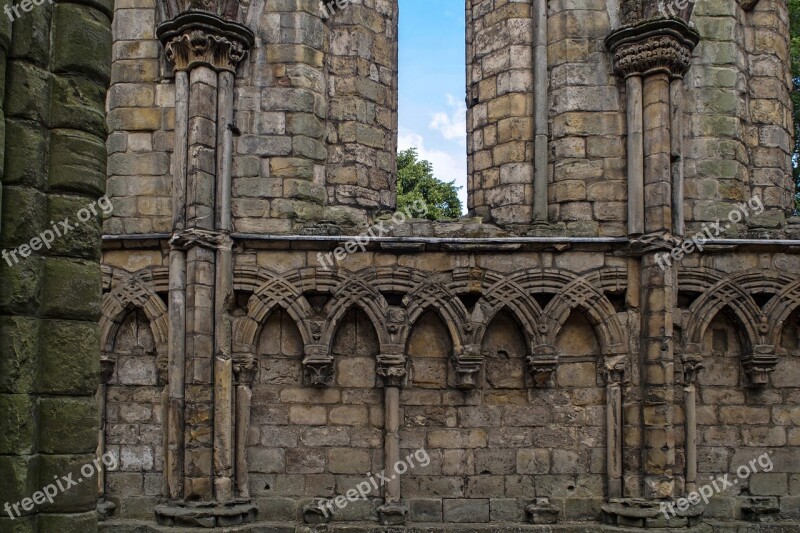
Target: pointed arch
270	290
719	290
355	290
129	291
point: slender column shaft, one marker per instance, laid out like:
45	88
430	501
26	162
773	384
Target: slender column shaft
179	157
691	436
173	468
614	432
392	442
676	110
541	83
223	369
101	437
635	156
244	398
657	154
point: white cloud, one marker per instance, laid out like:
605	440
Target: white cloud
448	165
452	126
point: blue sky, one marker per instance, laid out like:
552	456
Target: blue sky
432	85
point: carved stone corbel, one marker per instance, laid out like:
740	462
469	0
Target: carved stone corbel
542	364
108	362
392	368
759	364
318	367
244	368
467	363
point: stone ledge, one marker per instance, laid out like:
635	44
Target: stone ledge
711	526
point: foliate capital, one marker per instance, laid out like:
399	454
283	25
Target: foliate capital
653	46
196	38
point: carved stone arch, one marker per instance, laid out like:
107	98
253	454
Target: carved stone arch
779	309
570	291
356	289
725	293
273	291
129	291
436	295
510	293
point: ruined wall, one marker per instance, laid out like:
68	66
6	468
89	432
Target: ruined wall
315	119
55	71
738	115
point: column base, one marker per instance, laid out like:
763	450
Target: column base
392	514
638	513
205	514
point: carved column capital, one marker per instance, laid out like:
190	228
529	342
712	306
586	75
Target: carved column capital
542	364
392	368
467	363
653	46
244	367
759	363
197	38
318	368
692	365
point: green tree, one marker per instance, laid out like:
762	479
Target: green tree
794	31
416	183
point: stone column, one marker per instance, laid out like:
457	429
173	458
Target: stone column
204	50
541	96
692	366
615	372
659	52
245	369
107	364
633	84
393	370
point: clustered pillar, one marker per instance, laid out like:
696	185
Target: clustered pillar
652	55
200	423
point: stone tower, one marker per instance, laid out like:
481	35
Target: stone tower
615	323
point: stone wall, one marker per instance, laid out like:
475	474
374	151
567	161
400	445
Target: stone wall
55	71
511	439
738	115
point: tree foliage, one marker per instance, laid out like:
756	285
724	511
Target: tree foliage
416	183
794	30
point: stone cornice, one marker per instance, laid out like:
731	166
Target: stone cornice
198	38
662	45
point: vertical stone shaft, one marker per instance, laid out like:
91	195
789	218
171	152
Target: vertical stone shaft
392	442
633	85
614	428
657	372
244	398
200	283
173	468
676	111
223	298
657	154
689	402
542	83
202	138
200	269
